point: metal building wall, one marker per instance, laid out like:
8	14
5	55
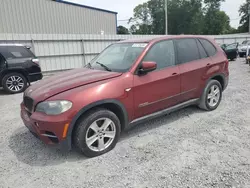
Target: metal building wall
51	17
60	52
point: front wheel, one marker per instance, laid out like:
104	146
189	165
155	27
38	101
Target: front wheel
97	132
211	96
14	83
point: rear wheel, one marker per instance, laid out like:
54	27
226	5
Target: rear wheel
97	132
211	96
14	83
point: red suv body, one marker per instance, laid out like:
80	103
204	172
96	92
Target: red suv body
128	82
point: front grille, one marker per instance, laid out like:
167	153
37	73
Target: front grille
28	103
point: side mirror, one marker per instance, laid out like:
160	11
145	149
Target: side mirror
147	66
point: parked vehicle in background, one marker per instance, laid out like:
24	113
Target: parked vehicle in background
248	55
18	67
231	50
129	82
243	48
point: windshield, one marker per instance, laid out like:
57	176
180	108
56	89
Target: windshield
246	42
118	57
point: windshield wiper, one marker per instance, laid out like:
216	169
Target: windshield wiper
89	66
104	66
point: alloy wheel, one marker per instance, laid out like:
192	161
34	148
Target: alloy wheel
15	83
213	96
100	134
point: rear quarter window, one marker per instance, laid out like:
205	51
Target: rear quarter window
209	47
14	52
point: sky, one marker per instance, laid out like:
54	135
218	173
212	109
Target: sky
125	8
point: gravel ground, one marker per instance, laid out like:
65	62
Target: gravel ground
189	148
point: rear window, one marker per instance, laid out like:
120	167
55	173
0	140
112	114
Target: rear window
209	47
14	52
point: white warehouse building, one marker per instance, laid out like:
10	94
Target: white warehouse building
54	17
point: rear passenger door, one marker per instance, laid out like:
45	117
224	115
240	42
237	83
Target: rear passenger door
193	62
2	63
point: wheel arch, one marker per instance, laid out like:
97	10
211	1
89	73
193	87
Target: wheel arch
111	104
220	78
16	70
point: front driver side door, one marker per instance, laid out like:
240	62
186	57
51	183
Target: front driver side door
159	89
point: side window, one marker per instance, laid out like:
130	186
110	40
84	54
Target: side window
162	53
203	53
211	50
187	50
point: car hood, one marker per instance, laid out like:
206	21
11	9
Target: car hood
65	81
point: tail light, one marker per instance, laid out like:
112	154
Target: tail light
226	64
36	61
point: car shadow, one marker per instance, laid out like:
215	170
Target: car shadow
32	151
2	92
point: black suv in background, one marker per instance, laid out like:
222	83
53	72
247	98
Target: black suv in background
18	67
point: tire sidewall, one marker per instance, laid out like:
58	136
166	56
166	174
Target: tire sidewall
209	85
5	78
85	124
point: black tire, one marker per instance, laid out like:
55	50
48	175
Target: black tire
5	84
82	126
204	104
241	55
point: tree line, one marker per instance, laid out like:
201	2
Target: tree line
184	17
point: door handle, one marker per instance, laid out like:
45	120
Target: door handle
174	74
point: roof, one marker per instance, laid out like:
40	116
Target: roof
157	38
85	6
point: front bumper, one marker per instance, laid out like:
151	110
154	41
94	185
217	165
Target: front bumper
48	130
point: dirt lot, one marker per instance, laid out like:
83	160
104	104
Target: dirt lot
189	148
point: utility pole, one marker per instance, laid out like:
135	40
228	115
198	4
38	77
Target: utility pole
249	18
166	16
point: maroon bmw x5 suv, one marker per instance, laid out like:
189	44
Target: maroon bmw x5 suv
129	82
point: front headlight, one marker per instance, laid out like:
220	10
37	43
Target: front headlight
54	107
